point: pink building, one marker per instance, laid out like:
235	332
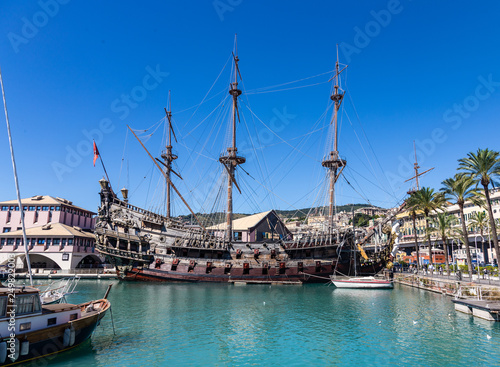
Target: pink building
60	234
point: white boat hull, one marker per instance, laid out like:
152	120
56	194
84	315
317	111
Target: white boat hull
363	283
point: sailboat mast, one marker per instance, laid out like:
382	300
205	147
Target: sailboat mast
231	160
416	166
333	162
168	156
14	168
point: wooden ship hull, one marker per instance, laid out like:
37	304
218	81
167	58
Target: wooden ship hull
169	251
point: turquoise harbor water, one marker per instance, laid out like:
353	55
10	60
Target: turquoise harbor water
227	325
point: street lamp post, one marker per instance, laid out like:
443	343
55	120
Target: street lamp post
477	255
452	254
490	255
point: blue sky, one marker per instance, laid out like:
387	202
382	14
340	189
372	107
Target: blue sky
418	70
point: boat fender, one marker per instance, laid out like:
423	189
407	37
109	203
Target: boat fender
3	352
25	347
72	336
66	337
16	351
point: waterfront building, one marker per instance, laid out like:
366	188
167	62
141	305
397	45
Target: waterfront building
483	242
437	256
59	234
256	227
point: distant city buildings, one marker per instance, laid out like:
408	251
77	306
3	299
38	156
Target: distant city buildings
59	234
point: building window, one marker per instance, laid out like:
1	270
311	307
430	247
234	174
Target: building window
52	208
33	241
25	208
6	229
16	208
48	241
65	257
63	242
58	208
2	241
5	208
18	241
45	208
41	241
70	241
56	241
32	209
11	208
10	241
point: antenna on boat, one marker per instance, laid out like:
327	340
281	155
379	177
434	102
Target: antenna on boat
332	161
231	160
26	249
417	175
168	156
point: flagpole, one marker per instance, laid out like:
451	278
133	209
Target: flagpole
104	168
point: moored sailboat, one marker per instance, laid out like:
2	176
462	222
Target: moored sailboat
30	329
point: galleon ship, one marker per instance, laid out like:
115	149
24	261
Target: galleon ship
144	245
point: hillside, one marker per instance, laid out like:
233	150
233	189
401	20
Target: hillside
300	213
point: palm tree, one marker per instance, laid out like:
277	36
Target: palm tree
478	221
442	224
461	188
427	201
410	204
483	167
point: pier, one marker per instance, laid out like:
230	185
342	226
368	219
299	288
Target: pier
479	297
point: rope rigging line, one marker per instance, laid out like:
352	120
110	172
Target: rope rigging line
349	168
369	144
123	157
262	122
213	84
202	121
285	89
368	201
287	83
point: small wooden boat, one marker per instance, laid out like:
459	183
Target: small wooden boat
30	330
362	283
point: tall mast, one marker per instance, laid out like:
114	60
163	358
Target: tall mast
332	161
231	160
168	156
417	175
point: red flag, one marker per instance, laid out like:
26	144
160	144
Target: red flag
96	153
